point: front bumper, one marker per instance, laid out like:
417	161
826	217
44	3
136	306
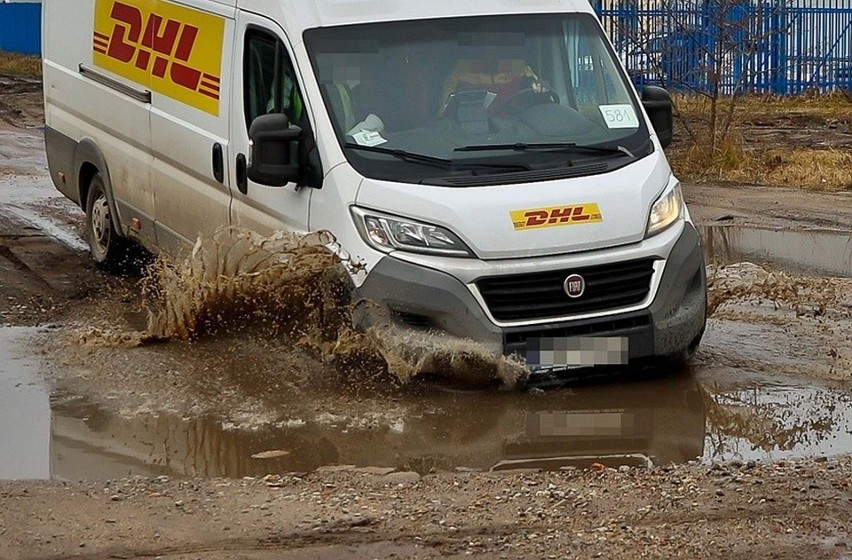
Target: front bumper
670	325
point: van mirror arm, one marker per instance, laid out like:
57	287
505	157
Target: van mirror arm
658	105
274	151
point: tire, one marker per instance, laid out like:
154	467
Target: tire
106	246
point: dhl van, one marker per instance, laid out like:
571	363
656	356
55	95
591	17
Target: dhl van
488	162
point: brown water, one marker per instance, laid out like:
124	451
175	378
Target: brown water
709	414
296	286
256	327
823	252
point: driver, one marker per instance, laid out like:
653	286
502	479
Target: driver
505	77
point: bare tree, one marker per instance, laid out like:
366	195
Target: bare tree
715	49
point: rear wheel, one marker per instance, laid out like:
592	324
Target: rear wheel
106	246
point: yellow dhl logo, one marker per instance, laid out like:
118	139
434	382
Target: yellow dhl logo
586	213
172	50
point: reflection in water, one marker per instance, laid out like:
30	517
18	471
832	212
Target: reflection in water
88	442
638	424
825	252
656	422
644	422
777	421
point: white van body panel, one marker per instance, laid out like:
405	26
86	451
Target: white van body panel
189	201
330	211
299	15
263	209
87	111
480	215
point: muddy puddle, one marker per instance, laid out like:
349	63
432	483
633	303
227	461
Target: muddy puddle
815	251
708	414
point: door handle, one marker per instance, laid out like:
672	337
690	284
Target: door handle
218	163
242	174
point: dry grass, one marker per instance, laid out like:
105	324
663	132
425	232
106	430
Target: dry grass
828	105
774	141
20	64
822	170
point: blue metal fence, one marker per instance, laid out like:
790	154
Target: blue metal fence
20	27
775	46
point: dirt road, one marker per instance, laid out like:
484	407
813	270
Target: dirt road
796	510
143	446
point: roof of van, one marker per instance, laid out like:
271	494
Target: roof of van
305	14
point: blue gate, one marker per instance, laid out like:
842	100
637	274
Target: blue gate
778	46
20	27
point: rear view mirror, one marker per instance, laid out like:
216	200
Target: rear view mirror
658	105
274	151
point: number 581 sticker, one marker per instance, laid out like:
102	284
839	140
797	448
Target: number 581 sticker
619	116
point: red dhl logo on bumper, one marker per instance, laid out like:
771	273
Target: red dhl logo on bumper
170	49
586	213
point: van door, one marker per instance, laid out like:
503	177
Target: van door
190	120
268	81
96	90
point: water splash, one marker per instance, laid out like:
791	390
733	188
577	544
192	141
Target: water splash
298	287
236	279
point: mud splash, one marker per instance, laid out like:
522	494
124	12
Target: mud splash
296	288
805	295
410	355
237	278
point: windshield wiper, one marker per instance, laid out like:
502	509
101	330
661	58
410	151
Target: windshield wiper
412	157
434	161
567	147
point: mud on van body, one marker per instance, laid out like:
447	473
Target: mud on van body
488	162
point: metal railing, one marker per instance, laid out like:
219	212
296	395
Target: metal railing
782	47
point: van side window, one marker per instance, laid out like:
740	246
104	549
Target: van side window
269	80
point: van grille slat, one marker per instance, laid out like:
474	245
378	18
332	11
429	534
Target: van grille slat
516	341
540	295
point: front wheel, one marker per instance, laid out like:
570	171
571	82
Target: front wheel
106	246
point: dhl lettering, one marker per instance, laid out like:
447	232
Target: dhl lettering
556	216
173	50
536	218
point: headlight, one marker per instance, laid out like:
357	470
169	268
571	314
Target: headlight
665	211
387	233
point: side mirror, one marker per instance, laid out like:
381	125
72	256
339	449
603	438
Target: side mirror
274	151
658	105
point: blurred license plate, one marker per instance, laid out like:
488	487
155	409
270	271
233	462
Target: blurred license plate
576	424
576	352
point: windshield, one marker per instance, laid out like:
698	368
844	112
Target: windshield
420	101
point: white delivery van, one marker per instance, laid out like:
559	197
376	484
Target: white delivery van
487	161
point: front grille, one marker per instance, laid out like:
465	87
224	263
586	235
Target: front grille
540	295
515	341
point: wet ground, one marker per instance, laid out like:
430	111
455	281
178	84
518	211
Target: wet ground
118	430
710	414
84	403
81	401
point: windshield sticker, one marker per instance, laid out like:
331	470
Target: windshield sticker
368	138
536	218
619	116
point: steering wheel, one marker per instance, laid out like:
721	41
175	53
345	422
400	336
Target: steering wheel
535	96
